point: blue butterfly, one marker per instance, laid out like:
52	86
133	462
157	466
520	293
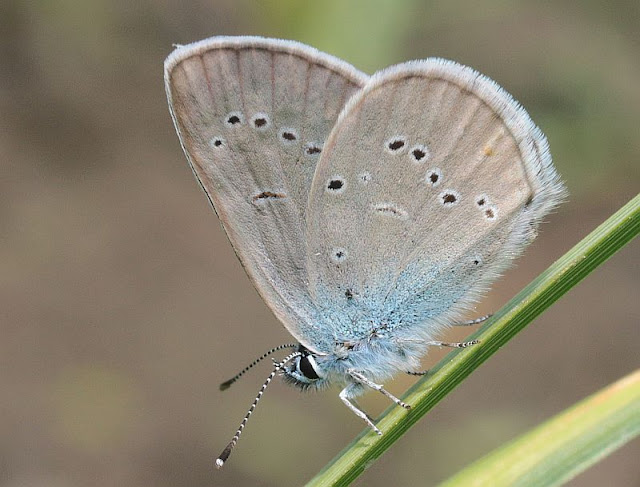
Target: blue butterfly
369	212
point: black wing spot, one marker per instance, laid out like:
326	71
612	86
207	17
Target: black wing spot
313	149
491	213
217	142
288	136
482	201
449	198
260	121
336	184
338	255
234	118
395	144
419	153
433	177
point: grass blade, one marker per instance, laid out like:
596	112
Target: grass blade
549	286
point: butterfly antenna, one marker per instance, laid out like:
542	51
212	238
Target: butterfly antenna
227	451
227	384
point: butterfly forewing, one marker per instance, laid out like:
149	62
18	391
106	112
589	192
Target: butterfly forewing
253	115
430	183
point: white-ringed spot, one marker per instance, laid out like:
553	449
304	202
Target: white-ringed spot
433	177
234	119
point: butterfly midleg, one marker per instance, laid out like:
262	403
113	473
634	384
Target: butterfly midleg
452	345
344	395
477	321
447	344
363	380
421	372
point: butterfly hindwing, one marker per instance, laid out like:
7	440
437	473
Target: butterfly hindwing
431	182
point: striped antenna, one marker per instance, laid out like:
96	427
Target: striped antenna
227	451
227	384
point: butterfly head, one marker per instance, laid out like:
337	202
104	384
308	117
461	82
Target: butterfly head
304	372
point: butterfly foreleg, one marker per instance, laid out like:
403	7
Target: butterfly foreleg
344	396
364	381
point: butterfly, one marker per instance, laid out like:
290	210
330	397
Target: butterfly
370	212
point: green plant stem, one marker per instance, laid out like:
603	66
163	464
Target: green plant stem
565	273
564	446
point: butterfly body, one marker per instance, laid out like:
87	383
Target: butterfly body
369	212
378	356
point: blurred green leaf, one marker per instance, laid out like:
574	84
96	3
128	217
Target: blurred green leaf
564	446
363	32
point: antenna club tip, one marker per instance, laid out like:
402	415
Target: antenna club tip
219	463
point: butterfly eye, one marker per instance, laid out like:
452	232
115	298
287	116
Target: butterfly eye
307	367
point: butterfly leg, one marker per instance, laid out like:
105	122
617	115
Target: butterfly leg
363	380
344	395
453	345
477	321
422	372
447	344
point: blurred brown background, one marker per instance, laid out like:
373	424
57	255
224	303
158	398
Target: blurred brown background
123	306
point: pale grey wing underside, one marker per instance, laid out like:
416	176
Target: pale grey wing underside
252	115
431	182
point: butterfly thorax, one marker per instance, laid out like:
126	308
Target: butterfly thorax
376	357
